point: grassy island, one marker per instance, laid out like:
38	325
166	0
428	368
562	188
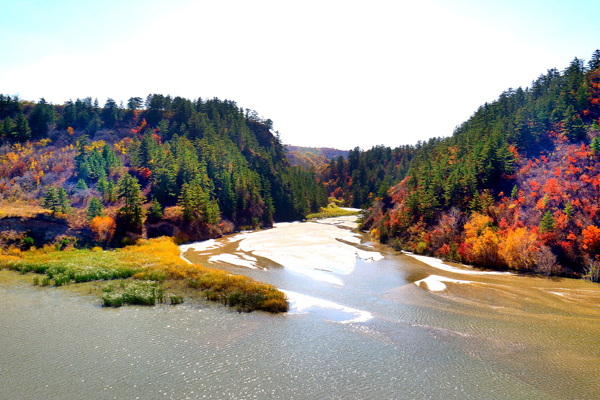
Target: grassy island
149	263
332	210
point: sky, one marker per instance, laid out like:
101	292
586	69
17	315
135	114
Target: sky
328	73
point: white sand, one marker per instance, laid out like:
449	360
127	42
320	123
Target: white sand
435	283
348	221
439	264
301	302
308	248
201	246
233	259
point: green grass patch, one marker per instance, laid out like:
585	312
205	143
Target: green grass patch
155	260
145	293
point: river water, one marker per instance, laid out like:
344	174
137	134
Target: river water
365	323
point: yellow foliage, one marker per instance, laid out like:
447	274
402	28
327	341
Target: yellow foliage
519	248
12	157
43	142
482	240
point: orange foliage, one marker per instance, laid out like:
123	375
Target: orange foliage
591	238
519	248
103	228
481	240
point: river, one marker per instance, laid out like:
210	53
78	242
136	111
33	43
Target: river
365	323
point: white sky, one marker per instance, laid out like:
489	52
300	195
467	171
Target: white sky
328	73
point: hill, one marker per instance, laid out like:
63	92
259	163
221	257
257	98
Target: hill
307	157
516	186
192	169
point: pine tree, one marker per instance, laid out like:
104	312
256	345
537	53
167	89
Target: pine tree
22	131
131	213
8	126
515	192
63	200
547	223
94	209
81	185
156	211
51	200
42	118
595	146
594	62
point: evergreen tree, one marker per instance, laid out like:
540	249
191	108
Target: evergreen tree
94	209
131	214
22	131
63	200
594	62
595	146
547	223
51	201
42	118
8	126
81	185
94	125
156	211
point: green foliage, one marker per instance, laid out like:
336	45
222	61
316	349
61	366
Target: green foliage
595	145
156	211
81	185
95	209
515	192
547	223
22	131
145	293
56	201
28	242
569	210
131	214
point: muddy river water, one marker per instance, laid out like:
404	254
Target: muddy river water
365	322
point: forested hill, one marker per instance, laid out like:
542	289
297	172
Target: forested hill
516	186
206	166
312	157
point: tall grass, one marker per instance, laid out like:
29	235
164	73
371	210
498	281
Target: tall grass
145	293
156	260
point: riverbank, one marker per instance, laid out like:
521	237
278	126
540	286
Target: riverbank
156	260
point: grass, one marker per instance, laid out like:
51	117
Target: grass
20	208
332	210
156	260
145	293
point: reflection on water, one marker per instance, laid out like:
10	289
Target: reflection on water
355	331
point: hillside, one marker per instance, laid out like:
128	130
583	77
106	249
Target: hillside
516	186
192	169
312	157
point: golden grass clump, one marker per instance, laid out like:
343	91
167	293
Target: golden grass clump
332	210
154	260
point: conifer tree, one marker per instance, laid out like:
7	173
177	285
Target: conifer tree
51	200
22	131
94	209
131	214
548	223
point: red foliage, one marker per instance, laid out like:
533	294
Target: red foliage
591	239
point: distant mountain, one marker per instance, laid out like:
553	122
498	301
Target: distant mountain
307	157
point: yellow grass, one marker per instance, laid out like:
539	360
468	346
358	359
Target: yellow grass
20	209
332	210
155	259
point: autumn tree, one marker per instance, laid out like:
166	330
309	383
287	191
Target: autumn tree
519	248
103	228
591	239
